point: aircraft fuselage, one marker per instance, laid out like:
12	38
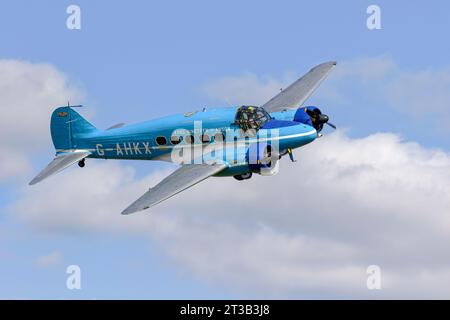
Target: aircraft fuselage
153	139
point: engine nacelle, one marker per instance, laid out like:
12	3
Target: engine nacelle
262	159
272	169
312	116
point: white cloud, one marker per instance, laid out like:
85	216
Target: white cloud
12	163
28	94
371	81
246	89
422	92
309	231
366	68
422	95
49	260
249	88
103	188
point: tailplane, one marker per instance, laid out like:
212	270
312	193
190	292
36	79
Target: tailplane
66	127
58	164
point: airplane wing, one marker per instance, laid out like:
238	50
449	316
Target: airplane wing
297	93
58	164
179	180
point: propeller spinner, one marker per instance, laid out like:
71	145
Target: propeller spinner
319	119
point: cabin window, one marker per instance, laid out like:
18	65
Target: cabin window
220	137
175	139
160	141
189	139
205	138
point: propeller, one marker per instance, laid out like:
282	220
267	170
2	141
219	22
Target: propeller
331	125
319	119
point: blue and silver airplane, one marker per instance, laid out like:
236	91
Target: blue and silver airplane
234	141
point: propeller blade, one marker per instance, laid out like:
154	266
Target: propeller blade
311	113
291	155
319	119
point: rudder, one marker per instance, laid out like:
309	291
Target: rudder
66	124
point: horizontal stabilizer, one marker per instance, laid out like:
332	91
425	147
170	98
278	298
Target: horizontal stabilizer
58	164
116	126
181	179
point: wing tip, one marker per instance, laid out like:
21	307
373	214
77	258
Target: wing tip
35	180
128	211
328	63
131	209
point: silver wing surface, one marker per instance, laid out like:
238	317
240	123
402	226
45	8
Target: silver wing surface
179	180
297	93
61	162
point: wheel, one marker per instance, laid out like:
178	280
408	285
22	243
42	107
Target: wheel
246	176
81	163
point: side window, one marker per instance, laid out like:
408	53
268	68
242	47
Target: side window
189	139
175	139
205	138
160	141
219	137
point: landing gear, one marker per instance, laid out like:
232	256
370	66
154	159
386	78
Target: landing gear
244	176
81	163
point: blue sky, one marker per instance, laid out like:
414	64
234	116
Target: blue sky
135	60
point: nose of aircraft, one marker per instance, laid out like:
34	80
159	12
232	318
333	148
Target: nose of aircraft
290	134
323	118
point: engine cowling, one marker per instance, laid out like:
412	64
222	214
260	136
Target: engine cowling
311	116
262	159
272	169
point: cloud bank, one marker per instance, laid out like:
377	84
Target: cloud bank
28	94
310	231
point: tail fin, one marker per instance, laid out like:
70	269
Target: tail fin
66	124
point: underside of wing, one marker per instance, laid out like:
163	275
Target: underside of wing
298	92
58	164
179	180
